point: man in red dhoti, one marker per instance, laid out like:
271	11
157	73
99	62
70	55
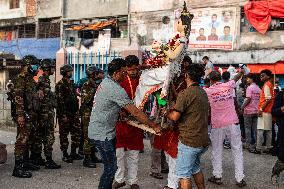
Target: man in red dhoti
129	139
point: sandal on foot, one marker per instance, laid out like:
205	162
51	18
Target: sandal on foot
241	184
156	175
215	180
274	179
255	151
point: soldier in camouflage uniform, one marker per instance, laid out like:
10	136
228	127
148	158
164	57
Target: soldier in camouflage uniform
45	131
68	114
88	91
27	104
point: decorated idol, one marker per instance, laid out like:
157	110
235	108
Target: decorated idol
166	64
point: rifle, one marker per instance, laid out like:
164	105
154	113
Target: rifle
13	104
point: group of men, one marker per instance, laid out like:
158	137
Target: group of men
259	111
189	114
106	103
34	104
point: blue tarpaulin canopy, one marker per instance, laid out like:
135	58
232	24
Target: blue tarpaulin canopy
41	48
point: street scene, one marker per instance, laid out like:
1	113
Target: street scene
165	94
257	171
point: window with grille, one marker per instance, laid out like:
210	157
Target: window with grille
49	28
14	4
27	31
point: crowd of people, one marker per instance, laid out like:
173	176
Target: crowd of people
227	111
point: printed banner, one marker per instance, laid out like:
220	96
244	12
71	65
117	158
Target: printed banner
212	28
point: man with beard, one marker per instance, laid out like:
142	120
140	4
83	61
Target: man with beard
129	139
109	99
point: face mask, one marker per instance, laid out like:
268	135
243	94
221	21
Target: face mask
98	81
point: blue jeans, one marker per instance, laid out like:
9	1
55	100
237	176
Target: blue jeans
107	150
188	161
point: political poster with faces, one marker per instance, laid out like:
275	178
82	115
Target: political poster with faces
212	28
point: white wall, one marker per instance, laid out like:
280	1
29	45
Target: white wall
151	5
7	13
49	8
76	9
240	57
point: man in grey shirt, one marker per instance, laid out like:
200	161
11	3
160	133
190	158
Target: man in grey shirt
109	99
209	67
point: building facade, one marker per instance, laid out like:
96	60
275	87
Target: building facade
144	21
30	27
95	31
26	27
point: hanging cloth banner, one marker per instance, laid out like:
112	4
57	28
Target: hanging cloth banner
260	13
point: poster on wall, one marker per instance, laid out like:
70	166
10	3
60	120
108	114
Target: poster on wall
212	28
152	26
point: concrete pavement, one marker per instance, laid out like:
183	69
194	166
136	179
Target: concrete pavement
257	171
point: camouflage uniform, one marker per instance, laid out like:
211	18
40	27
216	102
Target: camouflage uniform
68	106
46	114
26	98
27	105
87	97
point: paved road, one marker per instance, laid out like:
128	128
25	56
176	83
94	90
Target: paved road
73	176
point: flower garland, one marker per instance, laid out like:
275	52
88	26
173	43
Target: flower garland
160	59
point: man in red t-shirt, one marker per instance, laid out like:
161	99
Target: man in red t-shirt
129	139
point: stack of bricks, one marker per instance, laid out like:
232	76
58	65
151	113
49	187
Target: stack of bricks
31	8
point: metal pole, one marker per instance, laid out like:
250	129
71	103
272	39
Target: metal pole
85	61
99	59
78	67
91	58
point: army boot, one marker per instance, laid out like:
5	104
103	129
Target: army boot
19	170
74	155
66	158
88	162
37	159
50	164
30	165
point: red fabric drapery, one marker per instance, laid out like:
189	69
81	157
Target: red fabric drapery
259	13
277	68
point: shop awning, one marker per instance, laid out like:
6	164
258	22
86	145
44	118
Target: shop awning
277	68
259	13
95	26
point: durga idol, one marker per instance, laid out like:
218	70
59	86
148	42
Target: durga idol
166	65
